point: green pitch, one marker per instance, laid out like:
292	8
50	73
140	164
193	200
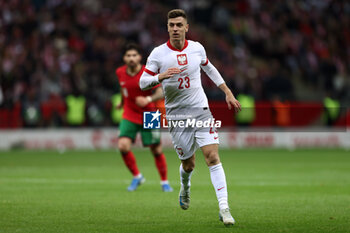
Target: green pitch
85	191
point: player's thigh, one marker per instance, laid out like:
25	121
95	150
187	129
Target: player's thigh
150	136
128	129
184	142
206	136
208	140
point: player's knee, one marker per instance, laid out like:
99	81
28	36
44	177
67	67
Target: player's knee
156	150
212	158
188	167
123	147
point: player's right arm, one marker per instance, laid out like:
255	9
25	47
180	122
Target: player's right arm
149	80
169	73
150	76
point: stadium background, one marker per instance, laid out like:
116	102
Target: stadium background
288	60
286	51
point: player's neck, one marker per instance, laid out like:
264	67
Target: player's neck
132	71
178	44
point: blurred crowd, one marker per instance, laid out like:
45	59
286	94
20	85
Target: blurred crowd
289	50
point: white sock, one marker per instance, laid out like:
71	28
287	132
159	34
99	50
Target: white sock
164	182
185	178
218	180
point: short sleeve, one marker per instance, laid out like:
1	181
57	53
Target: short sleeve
155	87
152	66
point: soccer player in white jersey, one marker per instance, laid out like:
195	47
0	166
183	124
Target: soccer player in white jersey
176	64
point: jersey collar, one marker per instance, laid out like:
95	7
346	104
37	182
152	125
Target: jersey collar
175	49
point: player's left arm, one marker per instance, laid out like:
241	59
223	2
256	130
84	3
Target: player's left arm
143	101
121	104
216	77
230	98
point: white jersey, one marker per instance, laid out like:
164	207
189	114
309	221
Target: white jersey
184	94
184	90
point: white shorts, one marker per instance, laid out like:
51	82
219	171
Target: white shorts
187	140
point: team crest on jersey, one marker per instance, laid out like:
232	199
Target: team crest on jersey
182	59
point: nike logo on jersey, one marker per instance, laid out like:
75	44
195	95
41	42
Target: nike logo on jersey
220	188
183	69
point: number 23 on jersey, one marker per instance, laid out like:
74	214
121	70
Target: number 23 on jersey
184	83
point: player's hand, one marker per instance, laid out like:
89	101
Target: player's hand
233	102
141	101
169	73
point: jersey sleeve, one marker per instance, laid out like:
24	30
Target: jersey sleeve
209	69
203	55
152	65
155	87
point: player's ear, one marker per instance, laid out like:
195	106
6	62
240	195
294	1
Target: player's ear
187	25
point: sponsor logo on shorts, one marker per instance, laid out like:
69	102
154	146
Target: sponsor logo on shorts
209	123
151	120
220	188
179	151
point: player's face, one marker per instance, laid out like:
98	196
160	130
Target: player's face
132	58
177	28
